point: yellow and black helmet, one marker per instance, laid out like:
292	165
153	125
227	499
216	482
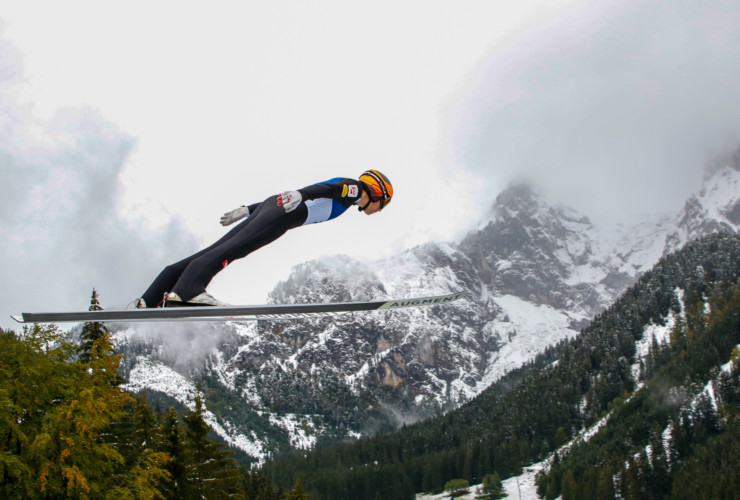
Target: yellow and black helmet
379	187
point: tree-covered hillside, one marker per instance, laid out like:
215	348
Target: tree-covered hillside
533	411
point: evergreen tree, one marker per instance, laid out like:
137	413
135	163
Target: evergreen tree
297	492
146	480
211	471
94	334
258	487
146	424
172	441
136	431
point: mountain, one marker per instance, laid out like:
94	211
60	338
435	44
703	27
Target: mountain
716	207
643	403
537	274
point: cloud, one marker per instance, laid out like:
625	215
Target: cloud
615	107
60	227
188	344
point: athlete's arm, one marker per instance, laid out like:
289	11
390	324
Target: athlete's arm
237	214
345	191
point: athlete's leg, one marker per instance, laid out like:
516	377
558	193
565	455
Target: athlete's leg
163	283
267	224
166	280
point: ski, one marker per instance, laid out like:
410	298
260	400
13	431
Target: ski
237	313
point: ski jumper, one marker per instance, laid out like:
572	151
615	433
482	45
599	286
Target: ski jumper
266	222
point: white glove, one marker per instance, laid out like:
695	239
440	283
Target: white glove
235	215
289	200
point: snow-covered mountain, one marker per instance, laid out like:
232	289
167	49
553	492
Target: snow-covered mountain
716	207
536	274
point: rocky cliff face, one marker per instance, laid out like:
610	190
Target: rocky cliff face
535	274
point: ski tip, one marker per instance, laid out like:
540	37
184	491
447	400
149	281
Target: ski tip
18	318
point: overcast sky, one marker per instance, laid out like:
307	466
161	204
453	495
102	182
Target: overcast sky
129	128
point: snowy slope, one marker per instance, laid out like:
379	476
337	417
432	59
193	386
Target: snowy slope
154	376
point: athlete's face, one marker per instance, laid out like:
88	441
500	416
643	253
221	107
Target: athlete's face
372	207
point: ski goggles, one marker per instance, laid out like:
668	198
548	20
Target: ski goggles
376	194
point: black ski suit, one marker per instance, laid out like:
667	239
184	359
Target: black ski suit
267	222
